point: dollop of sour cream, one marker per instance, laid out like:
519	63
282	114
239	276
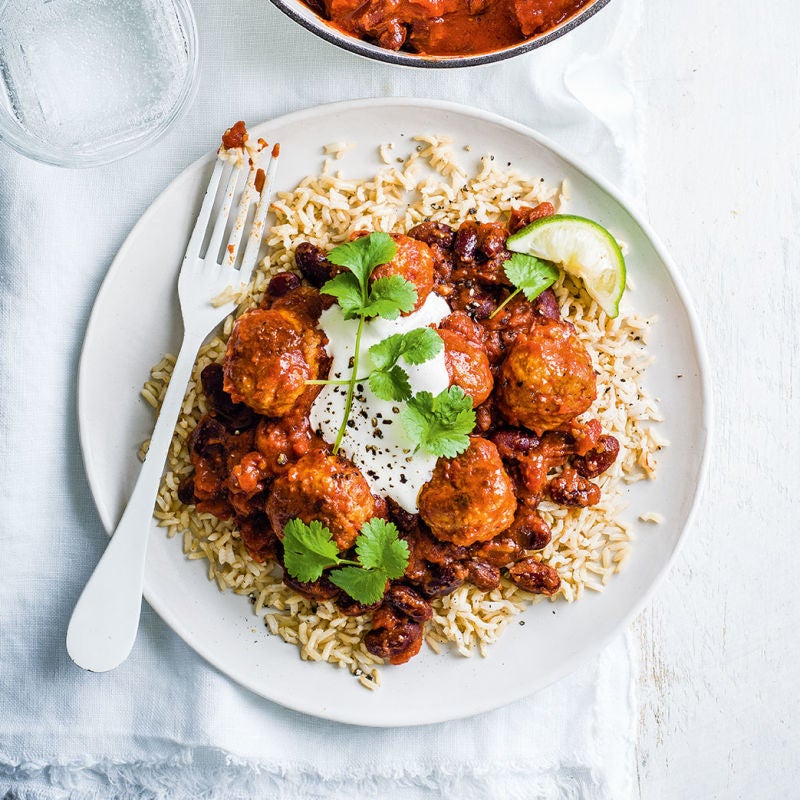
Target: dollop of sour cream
375	439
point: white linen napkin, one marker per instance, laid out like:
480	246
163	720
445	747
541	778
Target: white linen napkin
165	724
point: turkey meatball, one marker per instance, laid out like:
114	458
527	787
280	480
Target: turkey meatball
467	366
327	488
271	354
469	498
412	261
547	379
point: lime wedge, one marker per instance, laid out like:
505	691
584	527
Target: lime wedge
581	248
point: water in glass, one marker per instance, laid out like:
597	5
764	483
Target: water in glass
80	72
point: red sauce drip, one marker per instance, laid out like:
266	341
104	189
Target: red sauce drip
235	136
259	181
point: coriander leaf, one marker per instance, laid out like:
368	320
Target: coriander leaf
389	296
416	347
362	255
447	443
380	547
365	586
440	425
308	549
530	274
417	415
390	385
450	405
345	288
385	353
421	345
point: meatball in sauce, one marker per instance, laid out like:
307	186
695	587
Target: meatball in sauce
412	261
324	487
465	357
470	498
271	354
547	379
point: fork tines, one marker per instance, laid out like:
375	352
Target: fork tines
258	187
253	202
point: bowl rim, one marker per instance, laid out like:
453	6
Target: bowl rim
320	27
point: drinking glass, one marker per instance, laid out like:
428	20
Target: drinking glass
85	82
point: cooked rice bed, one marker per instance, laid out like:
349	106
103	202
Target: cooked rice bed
588	546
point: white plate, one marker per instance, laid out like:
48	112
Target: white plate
136	320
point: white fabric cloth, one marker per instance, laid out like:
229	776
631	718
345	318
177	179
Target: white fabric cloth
165	724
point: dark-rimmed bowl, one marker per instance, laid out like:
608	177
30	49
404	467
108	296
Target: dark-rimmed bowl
303	15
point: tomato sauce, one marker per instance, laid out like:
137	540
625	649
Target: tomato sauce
446	27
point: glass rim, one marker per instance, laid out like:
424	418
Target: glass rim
29	147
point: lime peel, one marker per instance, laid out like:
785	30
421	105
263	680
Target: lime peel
582	248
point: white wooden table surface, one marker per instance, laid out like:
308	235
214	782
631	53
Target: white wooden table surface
719	678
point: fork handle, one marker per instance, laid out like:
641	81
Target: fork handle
103	626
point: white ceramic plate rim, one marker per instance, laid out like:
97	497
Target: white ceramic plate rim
505	693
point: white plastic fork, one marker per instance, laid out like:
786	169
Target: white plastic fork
103	626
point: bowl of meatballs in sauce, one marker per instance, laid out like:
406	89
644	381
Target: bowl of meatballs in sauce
439	33
353	482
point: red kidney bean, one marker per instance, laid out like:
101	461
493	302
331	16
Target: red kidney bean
599	459
466	243
282	283
393	636
321	589
313	263
499	552
186	491
234	416
514	443
533	576
492	241
405	600
434	233
444	579
352	608
546	305
572	489
208	439
483	574
524	215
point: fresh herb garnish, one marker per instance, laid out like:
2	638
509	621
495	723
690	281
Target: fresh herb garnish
440	425
386	297
346	289
366	586
309	550
390	384
389	381
530	276
379	547
415	347
362	255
